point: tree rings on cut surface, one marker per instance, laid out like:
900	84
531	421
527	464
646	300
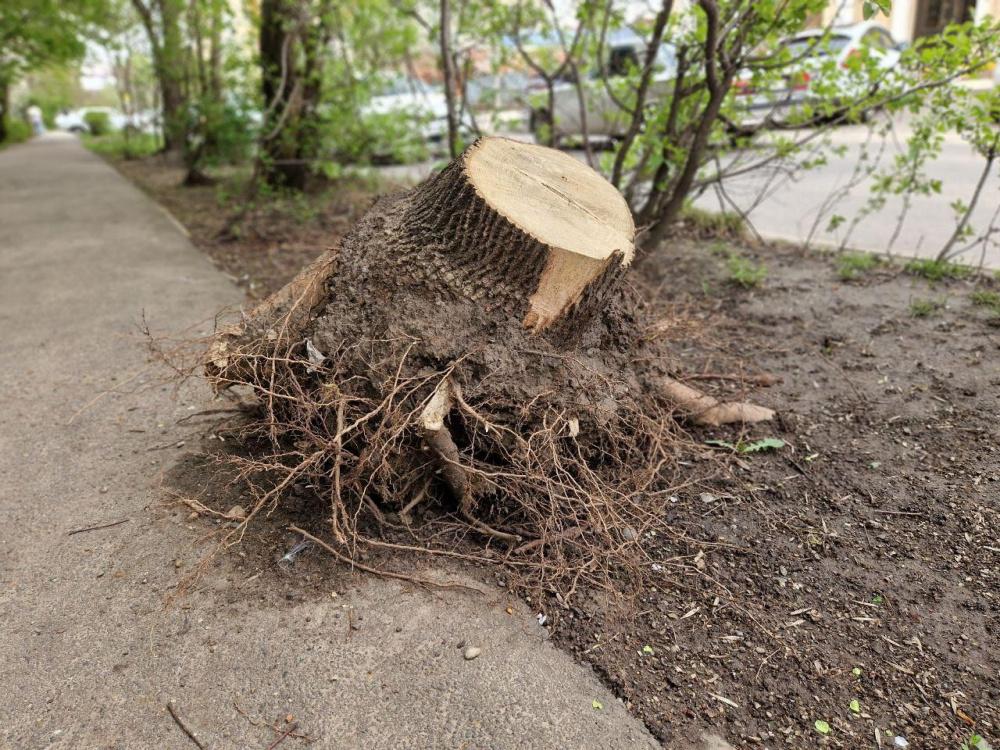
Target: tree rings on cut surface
556	232
578	215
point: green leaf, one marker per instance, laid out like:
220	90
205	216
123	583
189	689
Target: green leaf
597	704
822	727
648	650
721	444
761	445
855	706
856	671
756	446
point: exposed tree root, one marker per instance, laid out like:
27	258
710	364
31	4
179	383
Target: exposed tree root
280	318
440	441
384	573
702	409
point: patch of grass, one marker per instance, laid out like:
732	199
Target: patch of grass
719	247
989	300
744	272
116	145
937	270
924	308
852	265
708	224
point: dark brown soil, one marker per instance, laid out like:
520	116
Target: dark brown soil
858	563
869	543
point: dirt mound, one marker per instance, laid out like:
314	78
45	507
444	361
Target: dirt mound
446	356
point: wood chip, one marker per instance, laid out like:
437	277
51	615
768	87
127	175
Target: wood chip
723	699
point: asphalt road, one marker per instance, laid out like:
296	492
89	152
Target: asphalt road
799	209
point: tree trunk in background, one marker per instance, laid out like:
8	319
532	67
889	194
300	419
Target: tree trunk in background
4	108
166	43
448	68
170	71
215	50
281	152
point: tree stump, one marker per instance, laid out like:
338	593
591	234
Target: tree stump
471	338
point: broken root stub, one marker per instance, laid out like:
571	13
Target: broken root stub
472	343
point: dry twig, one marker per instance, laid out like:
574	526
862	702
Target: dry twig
184	728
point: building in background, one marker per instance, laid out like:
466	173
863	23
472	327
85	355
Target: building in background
912	19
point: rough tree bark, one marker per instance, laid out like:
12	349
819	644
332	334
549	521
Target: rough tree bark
4	108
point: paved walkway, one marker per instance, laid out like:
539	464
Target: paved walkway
89	655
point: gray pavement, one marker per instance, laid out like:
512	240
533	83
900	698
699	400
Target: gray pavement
799	209
90	654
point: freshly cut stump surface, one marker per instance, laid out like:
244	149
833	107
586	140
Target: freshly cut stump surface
571	210
543	220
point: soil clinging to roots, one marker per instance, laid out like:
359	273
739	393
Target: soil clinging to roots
400	379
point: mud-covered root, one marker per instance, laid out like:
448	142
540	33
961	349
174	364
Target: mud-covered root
438	438
279	320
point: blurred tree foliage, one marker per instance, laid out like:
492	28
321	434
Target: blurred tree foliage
37	33
294	86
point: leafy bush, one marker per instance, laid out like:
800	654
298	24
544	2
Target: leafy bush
376	137
98	122
989	300
17	131
220	132
713	224
851	265
744	272
924	308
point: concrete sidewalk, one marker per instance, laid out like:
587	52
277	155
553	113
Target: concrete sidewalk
90	655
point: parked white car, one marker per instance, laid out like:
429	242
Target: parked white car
75	121
604	117
413	114
423	104
812	53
